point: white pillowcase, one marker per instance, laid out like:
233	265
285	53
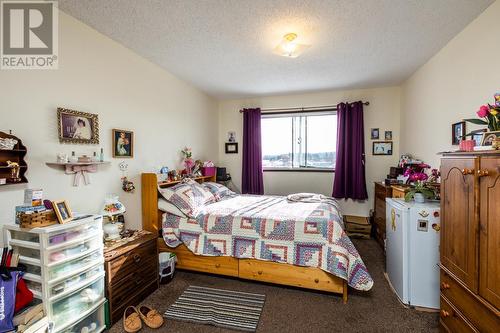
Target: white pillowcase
169	207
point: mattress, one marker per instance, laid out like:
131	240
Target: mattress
272	228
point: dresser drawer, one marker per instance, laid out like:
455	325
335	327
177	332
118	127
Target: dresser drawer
481	315
304	277
133	282
131	261
217	265
453	320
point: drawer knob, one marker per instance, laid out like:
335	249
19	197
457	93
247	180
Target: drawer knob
259	272
136	257
466	171
217	265
445	313
482	173
445	285
316	280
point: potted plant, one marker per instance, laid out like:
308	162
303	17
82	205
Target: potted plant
420	191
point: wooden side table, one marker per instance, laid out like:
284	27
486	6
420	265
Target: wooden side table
131	274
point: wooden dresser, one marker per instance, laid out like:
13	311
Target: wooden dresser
470	242
382	191
131	274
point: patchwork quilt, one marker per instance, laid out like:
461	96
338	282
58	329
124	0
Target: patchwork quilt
274	229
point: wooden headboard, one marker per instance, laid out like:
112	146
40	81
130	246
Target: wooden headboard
151	215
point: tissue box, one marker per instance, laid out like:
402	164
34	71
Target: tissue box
33	197
208	171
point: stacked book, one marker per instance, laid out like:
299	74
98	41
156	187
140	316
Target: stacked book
357	226
31	319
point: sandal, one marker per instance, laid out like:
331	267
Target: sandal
131	320
150	317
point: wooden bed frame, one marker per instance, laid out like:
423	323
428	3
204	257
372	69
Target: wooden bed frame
250	269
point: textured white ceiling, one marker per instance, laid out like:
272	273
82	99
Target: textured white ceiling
224	47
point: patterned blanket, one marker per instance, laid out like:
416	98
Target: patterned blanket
274	229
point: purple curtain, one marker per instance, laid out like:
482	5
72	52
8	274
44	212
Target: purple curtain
349	179
252	177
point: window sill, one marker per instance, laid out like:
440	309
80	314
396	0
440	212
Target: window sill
299	170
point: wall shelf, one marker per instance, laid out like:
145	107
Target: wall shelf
15	155
57	164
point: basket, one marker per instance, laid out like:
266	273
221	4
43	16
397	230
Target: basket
38	219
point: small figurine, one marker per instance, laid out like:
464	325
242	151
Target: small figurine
164	170
127	185
14	171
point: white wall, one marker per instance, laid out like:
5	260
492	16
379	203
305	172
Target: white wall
98	75
450	87
383	112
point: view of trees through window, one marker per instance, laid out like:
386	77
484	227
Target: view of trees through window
299	141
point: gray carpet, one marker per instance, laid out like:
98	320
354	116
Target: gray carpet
296	310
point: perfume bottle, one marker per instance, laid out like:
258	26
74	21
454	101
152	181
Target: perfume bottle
95	158
101	157
73	158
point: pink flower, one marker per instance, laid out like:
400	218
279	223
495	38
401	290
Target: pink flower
483	111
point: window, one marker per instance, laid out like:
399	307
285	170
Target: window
299	141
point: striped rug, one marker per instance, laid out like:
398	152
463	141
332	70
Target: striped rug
221	308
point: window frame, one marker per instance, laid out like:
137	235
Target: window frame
305	114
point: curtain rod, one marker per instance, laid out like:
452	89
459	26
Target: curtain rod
305	109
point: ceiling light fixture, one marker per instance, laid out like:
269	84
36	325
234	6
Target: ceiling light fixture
288	47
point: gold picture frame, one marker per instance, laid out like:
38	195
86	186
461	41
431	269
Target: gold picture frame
123	143
77	127
62	210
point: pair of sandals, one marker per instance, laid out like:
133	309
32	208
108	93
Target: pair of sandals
133	318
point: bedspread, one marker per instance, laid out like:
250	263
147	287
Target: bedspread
273	229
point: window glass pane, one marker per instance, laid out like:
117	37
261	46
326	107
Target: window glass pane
321	141
299	141
277	142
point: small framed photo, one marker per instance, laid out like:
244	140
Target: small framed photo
477	136
231	148
123	143
489	137
231	136
62	210
375	133
457	132
382	148
77	127
388	135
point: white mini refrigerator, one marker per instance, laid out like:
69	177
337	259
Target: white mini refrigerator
412	251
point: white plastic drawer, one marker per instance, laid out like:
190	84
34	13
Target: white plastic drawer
75	280
73	305
25	236
69	268
93	323
74	235
29	255
73	250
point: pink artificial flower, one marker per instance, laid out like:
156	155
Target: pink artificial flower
424	166
483	111
407	172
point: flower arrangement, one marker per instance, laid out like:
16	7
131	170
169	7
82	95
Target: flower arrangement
422	187
489	114
188	160
416	172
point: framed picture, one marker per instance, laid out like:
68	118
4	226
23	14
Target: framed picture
77	127
382	148
123	143
457	132
388	135
477	136
62	210
375	133
231	148
231	136
489	137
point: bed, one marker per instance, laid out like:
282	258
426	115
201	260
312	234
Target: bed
262	238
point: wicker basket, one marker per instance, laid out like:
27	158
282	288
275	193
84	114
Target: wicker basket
38	219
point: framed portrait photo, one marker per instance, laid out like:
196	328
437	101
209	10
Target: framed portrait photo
77	127
388	135
231	136
62	210
489	137
375	134
123	143
382	148
457	132
231	148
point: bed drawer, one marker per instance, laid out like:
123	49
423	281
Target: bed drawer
216	265
304	277
476	311
453	320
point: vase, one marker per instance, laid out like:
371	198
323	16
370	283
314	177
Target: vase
419	197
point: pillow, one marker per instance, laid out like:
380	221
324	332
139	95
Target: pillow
189	196
219	191
168	207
